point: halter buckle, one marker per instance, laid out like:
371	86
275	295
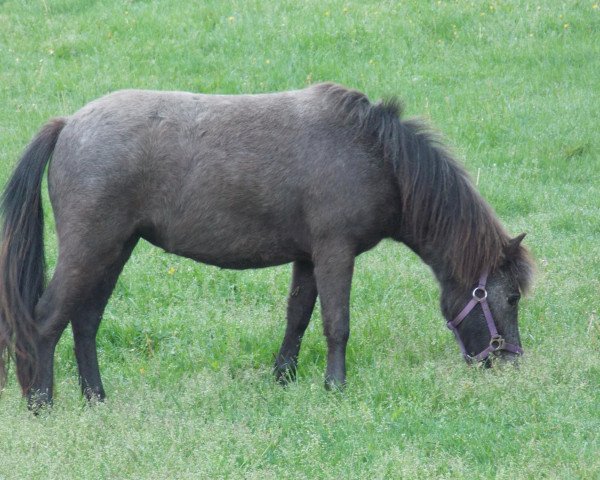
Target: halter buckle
497	342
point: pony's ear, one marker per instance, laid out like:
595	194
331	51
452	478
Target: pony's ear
519	261
511	249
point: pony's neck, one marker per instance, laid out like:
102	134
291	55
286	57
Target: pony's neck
442	267
445	219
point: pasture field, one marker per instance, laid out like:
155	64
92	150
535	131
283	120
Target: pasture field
186	349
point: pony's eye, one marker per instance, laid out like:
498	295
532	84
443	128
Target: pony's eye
513	299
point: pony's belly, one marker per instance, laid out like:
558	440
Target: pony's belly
235	250
241	260
242	263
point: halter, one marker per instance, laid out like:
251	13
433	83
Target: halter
497	342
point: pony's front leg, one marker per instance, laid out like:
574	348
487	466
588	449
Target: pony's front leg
301	302
333	273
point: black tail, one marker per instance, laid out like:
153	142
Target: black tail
22	264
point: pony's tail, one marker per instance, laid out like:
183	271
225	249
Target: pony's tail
22	263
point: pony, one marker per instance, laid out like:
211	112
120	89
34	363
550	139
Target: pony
314	177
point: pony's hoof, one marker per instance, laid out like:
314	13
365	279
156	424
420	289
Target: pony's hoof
38	402
285	373
94	395
335	384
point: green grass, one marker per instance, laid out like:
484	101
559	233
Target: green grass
186	349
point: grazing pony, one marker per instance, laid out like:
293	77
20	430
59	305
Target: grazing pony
314	177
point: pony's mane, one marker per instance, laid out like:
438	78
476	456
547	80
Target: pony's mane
442	211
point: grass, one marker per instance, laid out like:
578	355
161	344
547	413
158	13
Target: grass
186	349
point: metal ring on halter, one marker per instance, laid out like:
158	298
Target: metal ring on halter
497	342
477	297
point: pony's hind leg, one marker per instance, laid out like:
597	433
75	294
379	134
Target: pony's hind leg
85	275
36	368
36	371
301	302
85	323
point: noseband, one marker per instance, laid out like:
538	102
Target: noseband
497	342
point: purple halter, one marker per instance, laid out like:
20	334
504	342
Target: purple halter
497	342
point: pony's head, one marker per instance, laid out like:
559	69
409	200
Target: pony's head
484	317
